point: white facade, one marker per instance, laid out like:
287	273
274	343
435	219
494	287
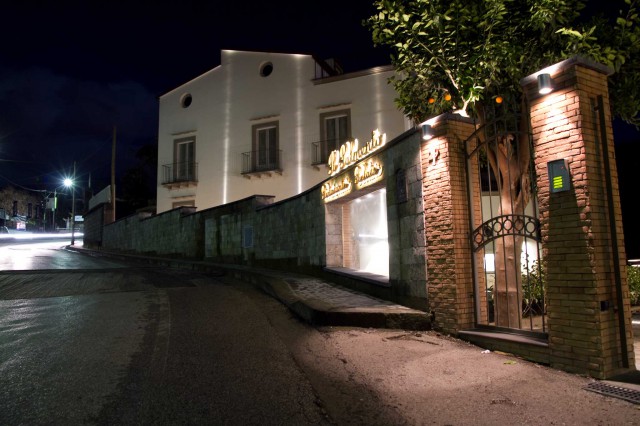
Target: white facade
248	127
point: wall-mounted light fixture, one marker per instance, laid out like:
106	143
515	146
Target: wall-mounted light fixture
427	132
545	84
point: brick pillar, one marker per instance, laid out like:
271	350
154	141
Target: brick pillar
582	300
449	272
333	234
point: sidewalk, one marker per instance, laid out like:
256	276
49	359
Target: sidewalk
323	303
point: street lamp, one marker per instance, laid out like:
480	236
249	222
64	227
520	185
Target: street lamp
69	182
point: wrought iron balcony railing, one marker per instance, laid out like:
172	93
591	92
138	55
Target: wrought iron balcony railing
261	161
320	150
180	172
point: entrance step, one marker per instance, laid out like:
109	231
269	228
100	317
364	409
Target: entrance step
532	348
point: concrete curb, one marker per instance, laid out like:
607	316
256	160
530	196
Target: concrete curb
152	260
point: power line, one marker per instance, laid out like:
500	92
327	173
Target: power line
22	187
18	161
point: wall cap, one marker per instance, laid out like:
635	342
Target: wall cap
563	65
448	116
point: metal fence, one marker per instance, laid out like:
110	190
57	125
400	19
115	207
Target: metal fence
261	161
180	172
321	150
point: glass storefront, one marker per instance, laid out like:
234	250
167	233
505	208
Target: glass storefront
366	225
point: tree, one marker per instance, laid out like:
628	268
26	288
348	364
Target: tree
458	54
462	55
139	181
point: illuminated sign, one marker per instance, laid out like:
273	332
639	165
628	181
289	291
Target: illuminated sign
557	182
367	173
335	189
364	174
52	203
350	152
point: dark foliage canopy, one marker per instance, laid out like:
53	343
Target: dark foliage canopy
456	54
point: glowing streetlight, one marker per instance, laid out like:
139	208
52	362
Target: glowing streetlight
68	182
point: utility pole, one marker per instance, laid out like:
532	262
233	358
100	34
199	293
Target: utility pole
113	177
73	205
53	209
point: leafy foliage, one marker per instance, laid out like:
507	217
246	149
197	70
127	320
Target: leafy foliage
453	54
633	279
533	288
138	182
618	46
534	283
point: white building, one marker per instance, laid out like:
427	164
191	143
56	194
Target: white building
265	123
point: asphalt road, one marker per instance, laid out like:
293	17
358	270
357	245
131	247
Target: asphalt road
111	343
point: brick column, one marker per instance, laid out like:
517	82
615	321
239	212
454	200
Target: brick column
449	272
582	300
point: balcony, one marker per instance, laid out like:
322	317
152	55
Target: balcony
321	150
180	175
258	163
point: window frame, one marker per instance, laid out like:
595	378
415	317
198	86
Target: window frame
182	173
271	161
326	145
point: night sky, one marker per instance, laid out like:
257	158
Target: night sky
72	70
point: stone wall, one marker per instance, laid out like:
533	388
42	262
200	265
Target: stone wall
229	230
94	222
291	233
175	233
214	233
405	217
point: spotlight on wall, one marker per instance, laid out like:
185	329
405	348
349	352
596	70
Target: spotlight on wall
427	132
544	84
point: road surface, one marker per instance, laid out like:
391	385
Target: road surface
105	342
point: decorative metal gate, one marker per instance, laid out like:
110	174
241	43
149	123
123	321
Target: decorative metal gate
505	230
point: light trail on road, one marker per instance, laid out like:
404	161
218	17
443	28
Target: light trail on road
30	255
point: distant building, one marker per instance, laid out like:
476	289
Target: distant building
19	208
265	123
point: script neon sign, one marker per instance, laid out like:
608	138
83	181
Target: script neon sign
350	152
367	173
364	174
335	189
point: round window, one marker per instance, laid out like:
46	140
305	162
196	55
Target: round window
266	69
186	100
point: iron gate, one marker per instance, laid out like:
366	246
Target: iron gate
509	272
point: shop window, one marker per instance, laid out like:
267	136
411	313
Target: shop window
365	235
